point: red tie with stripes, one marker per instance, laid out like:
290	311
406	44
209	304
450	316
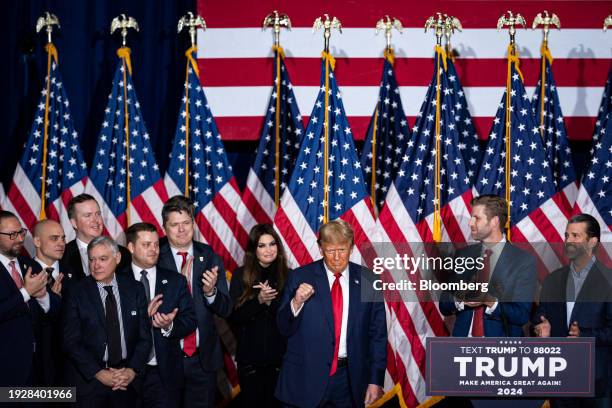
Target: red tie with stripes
189	341
478	321
336	297
16	275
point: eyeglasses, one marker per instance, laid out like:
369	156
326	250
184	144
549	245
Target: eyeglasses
13	235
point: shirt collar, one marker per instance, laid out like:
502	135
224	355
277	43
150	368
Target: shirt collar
584	271
175	250
81	244
496	248
113	283
54	265
151	272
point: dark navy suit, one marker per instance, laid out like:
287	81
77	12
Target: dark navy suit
512	282
304	376
84	334
168	353
592	311
22	326
209	357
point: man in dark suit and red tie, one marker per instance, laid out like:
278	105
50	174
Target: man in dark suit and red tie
336	328
106	332
202	353
172	317
576	301
25	304
86	219
508	271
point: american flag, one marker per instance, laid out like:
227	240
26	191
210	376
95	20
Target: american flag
124	176
534	215
52	167
306	204
199	169
595	194
282	127
387	136
237	58
407	217
548	115
468	138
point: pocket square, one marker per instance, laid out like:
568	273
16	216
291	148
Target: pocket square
133	313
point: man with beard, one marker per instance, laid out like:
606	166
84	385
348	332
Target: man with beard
25	303
86	219
576	301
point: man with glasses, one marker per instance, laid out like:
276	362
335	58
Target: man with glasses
25	303
335	324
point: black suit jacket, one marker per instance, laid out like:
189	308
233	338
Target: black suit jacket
22	326
592	311
211	355
168	353
72	259
84	333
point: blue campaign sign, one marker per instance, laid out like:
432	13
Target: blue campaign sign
511	367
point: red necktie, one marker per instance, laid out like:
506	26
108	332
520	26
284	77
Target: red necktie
478	321
16	275
336	297
189	341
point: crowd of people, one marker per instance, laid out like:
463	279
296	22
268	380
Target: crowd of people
135	326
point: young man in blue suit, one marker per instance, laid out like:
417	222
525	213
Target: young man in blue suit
202	354
576	301
337	340
509	271
106	332
26	306
172	317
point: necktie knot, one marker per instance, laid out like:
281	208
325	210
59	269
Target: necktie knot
338	275
143	274
109	289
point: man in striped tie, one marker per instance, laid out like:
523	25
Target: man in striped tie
24	303
336	328
202	354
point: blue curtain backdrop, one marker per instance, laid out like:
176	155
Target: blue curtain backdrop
87	54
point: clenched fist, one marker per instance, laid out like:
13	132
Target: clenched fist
302	294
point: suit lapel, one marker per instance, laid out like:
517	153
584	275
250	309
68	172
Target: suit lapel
354	285
158	282
74	257
322	286
166	258
6	277
94	295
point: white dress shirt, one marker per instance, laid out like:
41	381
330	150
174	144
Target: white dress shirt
84	257
54	265
344	285
44	302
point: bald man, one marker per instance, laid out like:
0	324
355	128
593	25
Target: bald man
50	243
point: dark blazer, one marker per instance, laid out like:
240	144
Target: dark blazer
210	353
72	258
173	287
310	348
22	326
512	282
592	311
84	333
258	341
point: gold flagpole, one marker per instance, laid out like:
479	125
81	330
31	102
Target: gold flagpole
193	23
511	21
122	22
387	23
47	21
546	22
438	24
327	25
276	21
